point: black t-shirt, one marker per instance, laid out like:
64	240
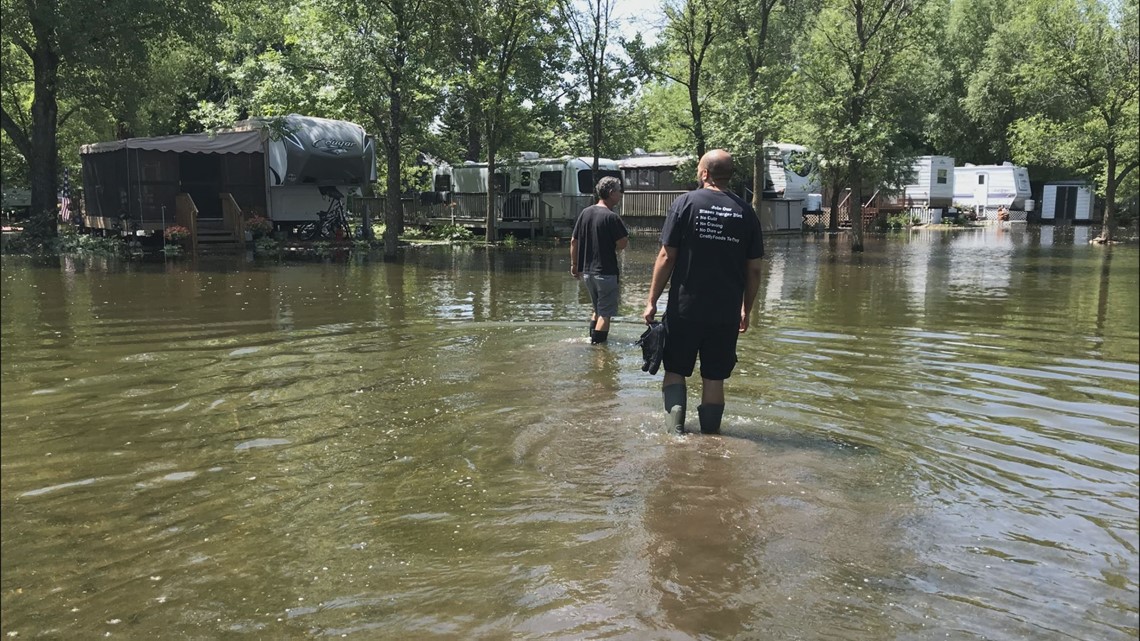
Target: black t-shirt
598	229
715	233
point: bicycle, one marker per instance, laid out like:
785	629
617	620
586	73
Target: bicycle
330	220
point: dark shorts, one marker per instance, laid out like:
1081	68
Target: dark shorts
715	343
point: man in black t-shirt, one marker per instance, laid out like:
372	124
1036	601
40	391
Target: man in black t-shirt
711	247
599	234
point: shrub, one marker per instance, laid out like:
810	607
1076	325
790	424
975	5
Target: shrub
451	233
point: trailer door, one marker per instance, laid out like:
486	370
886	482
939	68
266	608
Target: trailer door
982	191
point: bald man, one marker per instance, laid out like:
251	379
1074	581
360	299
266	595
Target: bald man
711	246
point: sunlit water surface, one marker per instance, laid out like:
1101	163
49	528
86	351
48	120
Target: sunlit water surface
936	439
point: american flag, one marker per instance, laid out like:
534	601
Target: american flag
65	196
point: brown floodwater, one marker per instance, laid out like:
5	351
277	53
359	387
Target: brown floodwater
936	439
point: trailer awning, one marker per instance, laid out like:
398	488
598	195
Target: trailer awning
230	142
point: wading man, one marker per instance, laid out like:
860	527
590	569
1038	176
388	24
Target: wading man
599	234
711	247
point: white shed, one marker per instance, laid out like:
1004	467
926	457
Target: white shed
1067	200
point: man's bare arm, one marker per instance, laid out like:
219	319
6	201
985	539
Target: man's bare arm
662	269
751	286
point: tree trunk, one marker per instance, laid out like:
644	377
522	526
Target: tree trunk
759	169
856	205
695	109
43	161
1108	226
490	235
394	215
833	219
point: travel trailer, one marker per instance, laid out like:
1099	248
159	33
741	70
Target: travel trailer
791	172
1070	200
932	186
988	187
542	195
279	168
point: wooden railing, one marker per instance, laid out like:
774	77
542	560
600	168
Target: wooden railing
232	218
186	214
647	203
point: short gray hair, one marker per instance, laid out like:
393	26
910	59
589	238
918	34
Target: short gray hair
607	186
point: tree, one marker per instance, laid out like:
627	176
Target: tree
1080	67
861	83
385	43
508	52
691	28
589	33
74	51
757	59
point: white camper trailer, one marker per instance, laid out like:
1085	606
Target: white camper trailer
791	171
537	194
987	187
1070	200
932	186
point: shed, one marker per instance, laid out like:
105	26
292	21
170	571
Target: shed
1067	200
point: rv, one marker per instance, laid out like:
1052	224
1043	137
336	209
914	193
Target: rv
932	185
540	195
791	172
279	168
987	187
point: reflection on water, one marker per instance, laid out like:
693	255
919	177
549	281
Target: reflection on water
934	439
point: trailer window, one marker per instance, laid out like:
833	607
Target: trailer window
981	179
586	183
941	176
550	182
442	183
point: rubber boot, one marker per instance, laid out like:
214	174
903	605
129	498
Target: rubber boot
599	337
710	416
592	322
674	398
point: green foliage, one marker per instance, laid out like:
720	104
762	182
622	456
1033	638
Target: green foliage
1080	68
451	233
266	245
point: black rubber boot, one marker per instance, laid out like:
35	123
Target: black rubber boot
710	416
592	322
599	337
675	405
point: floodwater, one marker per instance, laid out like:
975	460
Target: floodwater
937	439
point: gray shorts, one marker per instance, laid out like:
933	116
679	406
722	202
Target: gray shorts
603	293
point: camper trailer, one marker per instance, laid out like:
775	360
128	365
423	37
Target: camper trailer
987	187
280	168
791	172
932	185
540	195
1070	200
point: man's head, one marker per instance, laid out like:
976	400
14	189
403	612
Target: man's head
609	190
715	168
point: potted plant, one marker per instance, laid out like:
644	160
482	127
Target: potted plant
258	226
176	235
